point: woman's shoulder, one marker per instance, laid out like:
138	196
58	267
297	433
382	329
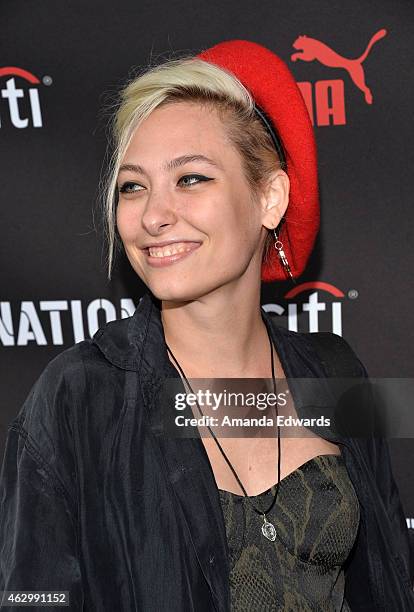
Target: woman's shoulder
337	354
83	385
76	394
69	370
334	351
85	362
70	385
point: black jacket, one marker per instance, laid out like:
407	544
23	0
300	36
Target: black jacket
95	502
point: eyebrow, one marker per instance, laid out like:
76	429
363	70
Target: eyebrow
172	164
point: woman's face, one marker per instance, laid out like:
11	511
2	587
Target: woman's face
185	213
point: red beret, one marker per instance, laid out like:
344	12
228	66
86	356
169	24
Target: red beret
275	91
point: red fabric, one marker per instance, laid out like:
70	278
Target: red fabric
274	89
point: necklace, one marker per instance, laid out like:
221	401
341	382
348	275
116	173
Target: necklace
268	529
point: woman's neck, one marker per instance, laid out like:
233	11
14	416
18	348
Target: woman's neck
212	337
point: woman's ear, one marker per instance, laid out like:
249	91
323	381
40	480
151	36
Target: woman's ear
275	198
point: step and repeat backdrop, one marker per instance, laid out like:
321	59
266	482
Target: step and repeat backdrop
61	65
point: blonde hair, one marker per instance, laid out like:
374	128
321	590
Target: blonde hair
188	79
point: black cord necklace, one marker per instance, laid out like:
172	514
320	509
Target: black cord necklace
268	529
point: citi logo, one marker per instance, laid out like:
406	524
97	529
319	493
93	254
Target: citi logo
325	99
313	307
21	95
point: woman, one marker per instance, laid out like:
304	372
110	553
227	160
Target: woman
96	501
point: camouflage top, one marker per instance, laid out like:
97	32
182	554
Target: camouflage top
316	516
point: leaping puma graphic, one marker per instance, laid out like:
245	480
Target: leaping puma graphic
311	49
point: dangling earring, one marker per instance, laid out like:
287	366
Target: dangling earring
279	247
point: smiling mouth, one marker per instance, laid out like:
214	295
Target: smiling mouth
170	253
171	249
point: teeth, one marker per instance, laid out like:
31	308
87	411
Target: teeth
171	249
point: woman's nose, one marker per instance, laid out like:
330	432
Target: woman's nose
159	211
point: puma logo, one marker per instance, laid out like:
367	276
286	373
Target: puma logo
310	49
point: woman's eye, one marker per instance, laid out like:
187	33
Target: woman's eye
125	188
187	180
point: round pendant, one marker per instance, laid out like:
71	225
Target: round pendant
268	530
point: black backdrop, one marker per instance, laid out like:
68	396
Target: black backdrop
61	64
